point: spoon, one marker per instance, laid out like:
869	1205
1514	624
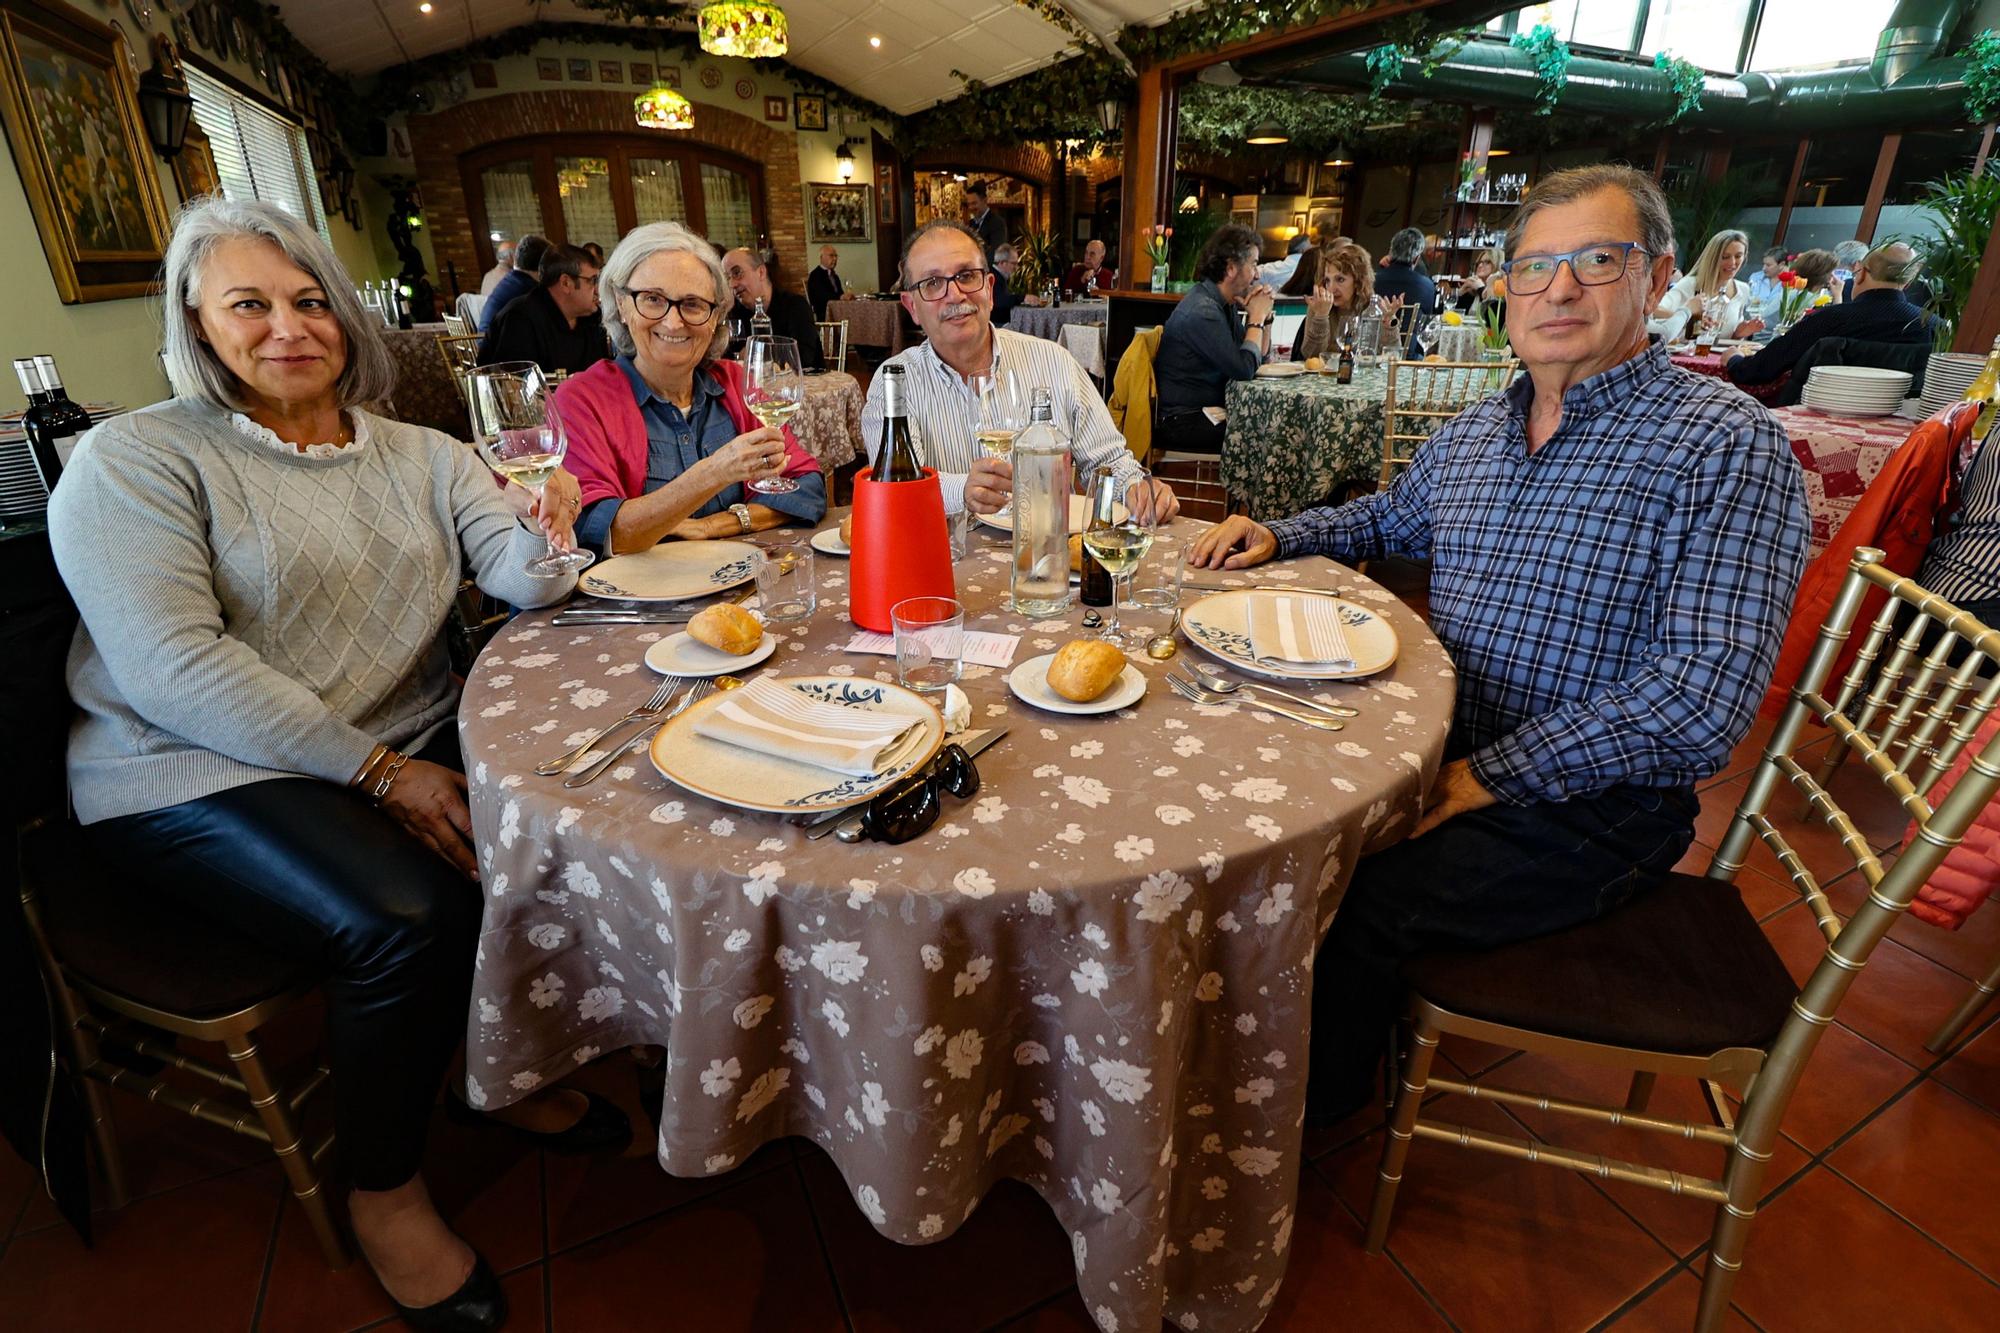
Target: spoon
1223	685
729	683
1162	646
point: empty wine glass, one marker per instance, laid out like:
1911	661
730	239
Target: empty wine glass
520	434
775	387
1118	539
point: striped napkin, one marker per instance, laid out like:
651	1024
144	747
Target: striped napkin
1298	631
772	718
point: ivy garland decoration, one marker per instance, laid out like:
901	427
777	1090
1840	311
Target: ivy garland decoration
1982	77
1551	56
1687	80
1415	37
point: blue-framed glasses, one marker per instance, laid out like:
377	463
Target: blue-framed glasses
1593	266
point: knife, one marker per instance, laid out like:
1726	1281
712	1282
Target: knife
1270	587
833	821
564	618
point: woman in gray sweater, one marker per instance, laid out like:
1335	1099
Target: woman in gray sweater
266	733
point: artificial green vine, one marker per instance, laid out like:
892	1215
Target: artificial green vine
1413	37
1551	56
1687	80
1982	77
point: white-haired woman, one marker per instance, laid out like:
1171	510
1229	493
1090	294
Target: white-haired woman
263	569
1713	278
660	437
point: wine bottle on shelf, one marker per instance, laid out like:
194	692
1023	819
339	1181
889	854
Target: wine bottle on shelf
760	321
52	422
896	459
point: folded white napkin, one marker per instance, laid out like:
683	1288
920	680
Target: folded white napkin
957	710
772	718
1299	631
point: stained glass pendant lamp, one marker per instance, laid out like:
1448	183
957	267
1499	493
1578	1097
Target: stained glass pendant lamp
749	28
663	108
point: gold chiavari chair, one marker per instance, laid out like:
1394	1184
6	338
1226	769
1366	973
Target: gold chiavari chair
454	326
1422	395
460	353
833	343
1682	981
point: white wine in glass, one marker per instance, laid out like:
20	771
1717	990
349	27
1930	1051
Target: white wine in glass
1118	539
997	417
775	385
520	435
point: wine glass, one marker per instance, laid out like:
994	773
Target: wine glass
520	435
1427	334
775	387
996	417
1118	539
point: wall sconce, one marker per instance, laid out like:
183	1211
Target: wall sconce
843	161
1110	115
164	101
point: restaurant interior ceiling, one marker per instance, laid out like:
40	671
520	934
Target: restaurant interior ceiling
900	54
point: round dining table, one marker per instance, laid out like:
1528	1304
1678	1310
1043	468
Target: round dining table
1290	441
828	423
1094	975
872	322
1713	363
1044	321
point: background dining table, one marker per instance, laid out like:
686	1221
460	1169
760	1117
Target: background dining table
1712	364
1094	976
424	394
872	323
828	424
1043	321
1840	455
1289	441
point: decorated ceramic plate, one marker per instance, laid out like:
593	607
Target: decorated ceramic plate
1219	625
751	781
1030	683
672	571
1079	515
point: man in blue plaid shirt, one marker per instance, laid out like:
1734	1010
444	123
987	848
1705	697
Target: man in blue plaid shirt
1614	547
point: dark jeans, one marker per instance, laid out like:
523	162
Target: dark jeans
1476	881
320	875
1188	430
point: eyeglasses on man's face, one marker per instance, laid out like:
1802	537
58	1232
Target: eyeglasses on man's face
695	310
1593	266
967	280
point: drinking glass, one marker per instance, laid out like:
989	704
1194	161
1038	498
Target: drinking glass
785	588
1156	584
956	527
1427	334
930	642
998	415
520	435
1116	542
775	388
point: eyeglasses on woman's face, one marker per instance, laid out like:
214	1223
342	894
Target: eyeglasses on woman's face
695	310
967	280
1593	266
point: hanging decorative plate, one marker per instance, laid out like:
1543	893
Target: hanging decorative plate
711	77
745	89
201	23
141	12
239	36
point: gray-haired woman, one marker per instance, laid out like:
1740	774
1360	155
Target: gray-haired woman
263	569
660	437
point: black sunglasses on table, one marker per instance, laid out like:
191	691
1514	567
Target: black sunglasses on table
911	807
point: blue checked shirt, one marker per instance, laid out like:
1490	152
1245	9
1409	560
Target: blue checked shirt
1614	602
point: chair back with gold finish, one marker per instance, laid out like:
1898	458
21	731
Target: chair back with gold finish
1422	395
833	343
461	356
454	326
1682	980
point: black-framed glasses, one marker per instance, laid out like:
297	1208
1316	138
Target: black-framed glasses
1592	266
968	280
695	311
913	805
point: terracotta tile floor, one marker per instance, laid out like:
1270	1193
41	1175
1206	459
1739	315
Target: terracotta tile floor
1878	1211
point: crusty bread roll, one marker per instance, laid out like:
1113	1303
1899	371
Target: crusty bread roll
847	530
1315	363
1085	668
727	628
1076	553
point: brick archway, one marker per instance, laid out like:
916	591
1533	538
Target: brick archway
439	139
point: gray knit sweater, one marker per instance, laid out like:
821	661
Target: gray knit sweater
251	612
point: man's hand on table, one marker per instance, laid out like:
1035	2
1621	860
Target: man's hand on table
1455	792
1234	543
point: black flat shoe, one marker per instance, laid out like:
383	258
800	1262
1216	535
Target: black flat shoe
478	1306
602	1128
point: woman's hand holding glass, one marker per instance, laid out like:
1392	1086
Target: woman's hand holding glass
520	434
756	455
775	387
555	510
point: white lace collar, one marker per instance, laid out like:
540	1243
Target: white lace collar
267	437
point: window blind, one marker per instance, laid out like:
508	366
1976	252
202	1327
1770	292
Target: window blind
258	154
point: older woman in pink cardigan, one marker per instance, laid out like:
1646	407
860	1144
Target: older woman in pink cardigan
660	437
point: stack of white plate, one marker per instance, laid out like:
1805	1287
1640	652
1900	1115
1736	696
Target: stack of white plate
1948	376
1856	391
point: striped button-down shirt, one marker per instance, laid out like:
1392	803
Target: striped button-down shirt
941	410
1614	600
1963	565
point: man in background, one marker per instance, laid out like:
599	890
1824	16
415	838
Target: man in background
555	325
503	264
749	274
517	282
988	226
1880	311
823	283
1399	277
1090	273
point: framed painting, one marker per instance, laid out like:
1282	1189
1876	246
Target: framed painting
642	73
611	71
194	169
839	213
809	111
579	70
548	69
885	193
775	109
72	118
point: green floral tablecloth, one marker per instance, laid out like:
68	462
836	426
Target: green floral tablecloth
1290	441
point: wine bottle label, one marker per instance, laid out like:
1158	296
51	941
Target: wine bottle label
65	445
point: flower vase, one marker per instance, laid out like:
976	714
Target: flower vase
1159	277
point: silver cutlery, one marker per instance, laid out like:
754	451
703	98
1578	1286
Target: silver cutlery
1216	684
1266	587
653	707
1201	696
565	619
611	612
589	775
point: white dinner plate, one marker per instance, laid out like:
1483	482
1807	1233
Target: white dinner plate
1079	515
672	571
751	781
827	541
1030	683
1280	370
680	655
1219	625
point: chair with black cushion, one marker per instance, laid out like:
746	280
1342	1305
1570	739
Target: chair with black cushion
1681	981
1912	357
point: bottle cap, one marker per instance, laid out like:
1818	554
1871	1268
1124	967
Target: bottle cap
31	378
46	366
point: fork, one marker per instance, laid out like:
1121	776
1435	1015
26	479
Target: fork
1200	696
596	770
1203	679
651	708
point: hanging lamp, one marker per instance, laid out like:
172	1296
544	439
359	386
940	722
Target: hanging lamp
752	29
663	108
1268	133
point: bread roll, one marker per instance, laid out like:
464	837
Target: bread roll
1315	363
1076	553
727	628
1085	668
847	530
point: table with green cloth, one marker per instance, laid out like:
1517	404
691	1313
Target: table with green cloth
1290	441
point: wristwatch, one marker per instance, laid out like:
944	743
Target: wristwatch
742	513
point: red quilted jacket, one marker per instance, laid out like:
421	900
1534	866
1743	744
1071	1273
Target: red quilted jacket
1971	870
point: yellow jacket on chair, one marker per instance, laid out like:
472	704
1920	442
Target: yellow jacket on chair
1132	392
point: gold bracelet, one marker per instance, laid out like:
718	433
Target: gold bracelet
388	778
364	774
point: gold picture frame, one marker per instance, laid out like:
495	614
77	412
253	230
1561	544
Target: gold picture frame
71	111
194	168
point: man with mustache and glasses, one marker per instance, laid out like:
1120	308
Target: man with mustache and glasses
1614	544
949	292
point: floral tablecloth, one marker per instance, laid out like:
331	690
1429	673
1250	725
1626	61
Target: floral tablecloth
871	323
1049	321
424	394
1712	365
1093	977
828	424
1840	455
1290	441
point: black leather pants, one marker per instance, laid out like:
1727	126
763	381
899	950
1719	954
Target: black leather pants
319	874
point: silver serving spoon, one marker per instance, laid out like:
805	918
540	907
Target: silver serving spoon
1223	685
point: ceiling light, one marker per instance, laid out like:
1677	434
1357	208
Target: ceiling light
1268	133
875	42
425	7
662	108
1499	152
748	28
1340	156
1190	205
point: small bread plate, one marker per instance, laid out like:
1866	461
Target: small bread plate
680	655
1219	625
827	541
1030	683
1079	515
672	572
1280	370
751	781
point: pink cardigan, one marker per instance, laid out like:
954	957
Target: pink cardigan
1971	870
607	432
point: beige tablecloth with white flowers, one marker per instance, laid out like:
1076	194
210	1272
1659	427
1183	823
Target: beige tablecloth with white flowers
1093	977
